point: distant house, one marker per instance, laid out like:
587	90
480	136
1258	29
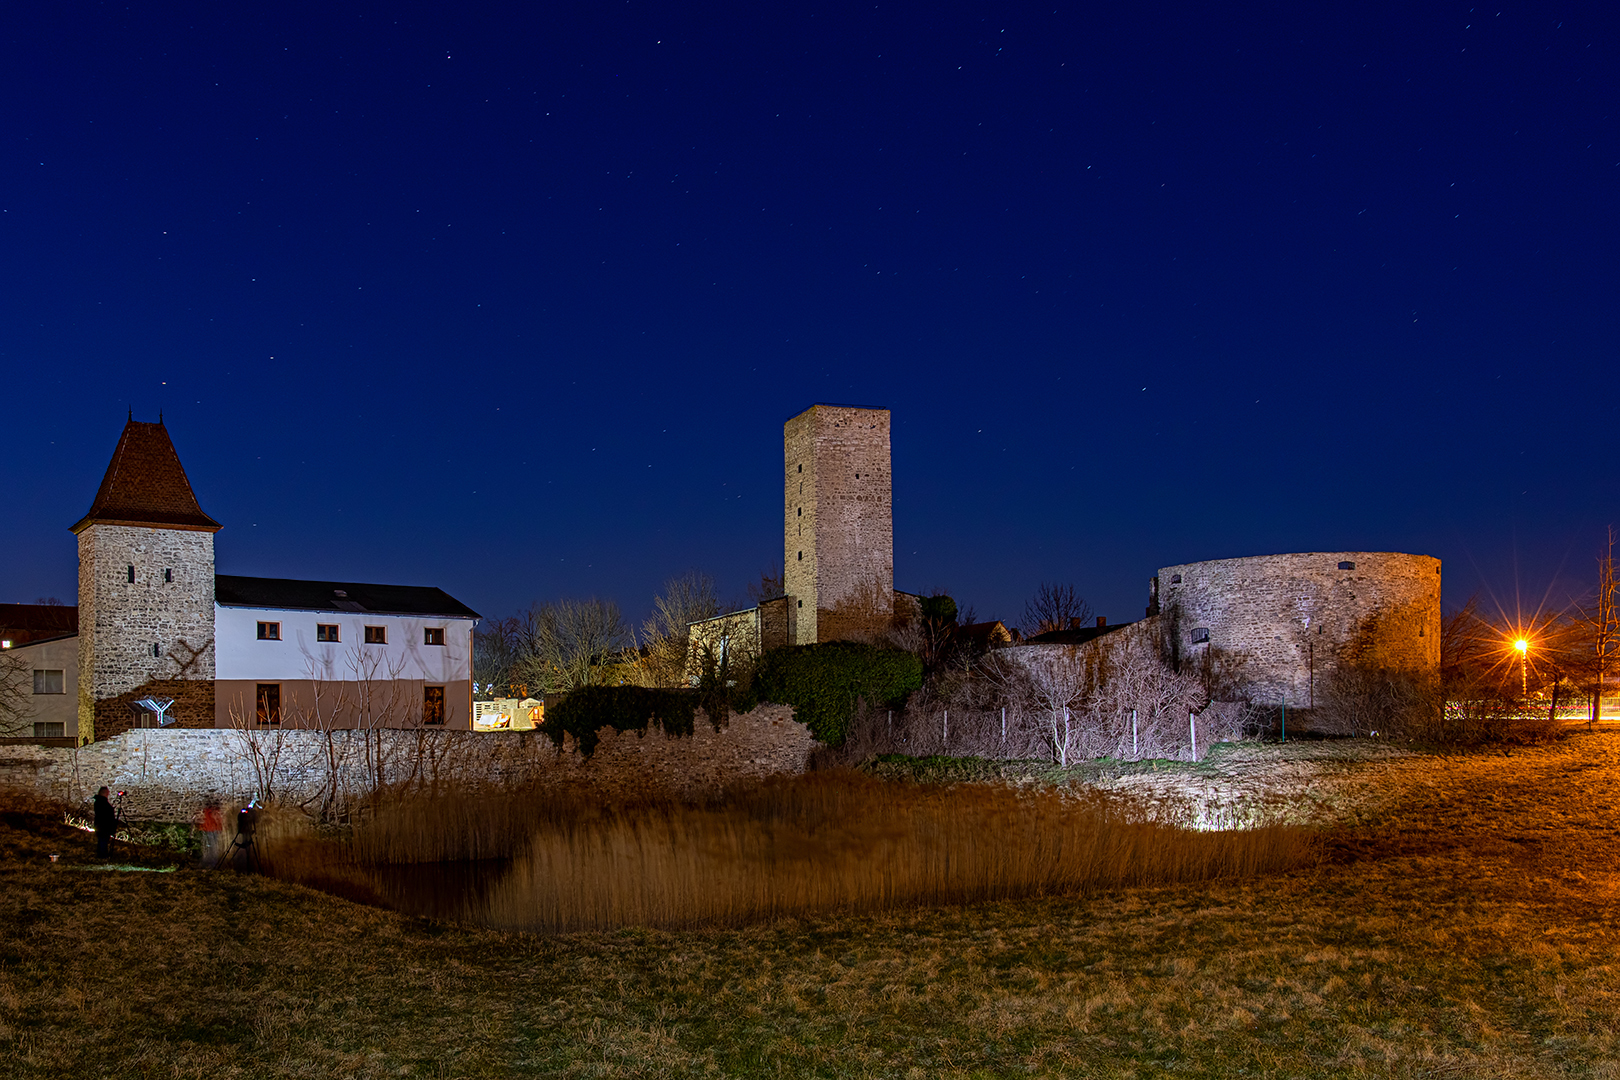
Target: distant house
44	637
159	639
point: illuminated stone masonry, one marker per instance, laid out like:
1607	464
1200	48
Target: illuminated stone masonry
838	522
1288	621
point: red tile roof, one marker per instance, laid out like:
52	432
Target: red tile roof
146	485
22	623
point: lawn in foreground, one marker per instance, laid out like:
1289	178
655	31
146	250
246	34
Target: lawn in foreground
1466	933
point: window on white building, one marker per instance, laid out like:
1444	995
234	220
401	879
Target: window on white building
269	704
326	632
433	705
376	635
269	631
50	729
433	635
49	681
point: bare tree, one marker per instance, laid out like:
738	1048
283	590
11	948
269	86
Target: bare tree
15	693
1048	682
1139	708
571	643
771	584
497	647
263	745
666	637
1054	607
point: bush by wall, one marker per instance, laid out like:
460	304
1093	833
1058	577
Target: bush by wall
587	710
823	682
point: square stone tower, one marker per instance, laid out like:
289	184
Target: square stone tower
146	590
838	537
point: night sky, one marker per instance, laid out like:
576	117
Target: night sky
516	303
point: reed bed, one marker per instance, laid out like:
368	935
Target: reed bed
827	842
820	843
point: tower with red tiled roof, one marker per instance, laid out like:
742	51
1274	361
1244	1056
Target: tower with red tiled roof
146	590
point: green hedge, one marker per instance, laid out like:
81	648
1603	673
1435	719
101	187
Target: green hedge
821	682
587	710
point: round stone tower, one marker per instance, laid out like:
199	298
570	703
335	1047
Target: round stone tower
1281	623
146	591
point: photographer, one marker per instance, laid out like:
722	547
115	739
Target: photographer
106	821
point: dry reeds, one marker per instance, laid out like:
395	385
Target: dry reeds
843	842
824	842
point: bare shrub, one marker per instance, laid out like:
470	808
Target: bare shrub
1357	700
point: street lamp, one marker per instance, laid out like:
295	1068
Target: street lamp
1524	676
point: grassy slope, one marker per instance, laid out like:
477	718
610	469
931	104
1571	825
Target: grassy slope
1469	934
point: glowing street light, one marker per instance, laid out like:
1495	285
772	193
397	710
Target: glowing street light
1524	677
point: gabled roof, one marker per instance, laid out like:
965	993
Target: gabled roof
146	485
1077	636
23	623
259	592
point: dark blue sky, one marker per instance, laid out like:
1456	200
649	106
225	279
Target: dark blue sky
515	303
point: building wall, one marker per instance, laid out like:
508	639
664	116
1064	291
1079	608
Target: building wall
122	623
297	655
1285	622
346	671
59	654
838	524
342	703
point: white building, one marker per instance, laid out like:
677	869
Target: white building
162	639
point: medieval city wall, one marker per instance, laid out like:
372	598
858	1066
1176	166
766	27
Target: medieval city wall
167	610
1282	623
168	774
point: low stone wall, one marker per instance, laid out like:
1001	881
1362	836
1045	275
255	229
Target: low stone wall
168	774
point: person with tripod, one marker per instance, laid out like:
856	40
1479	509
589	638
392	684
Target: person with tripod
106	822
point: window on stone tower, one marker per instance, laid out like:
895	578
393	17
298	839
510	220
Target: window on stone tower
433	705
326	632
1347	566
49	681
376	635
269	631
269	704
433	635
168	575
1200	636
132	575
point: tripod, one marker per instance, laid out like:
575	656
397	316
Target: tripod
244	843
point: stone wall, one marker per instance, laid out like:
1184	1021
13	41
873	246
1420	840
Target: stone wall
1282	623
167	610
838	537
167	774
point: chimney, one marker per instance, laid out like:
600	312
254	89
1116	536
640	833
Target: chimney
1074	622
1102	621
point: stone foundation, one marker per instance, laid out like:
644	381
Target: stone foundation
167	774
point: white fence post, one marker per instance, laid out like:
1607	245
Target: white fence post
1192	722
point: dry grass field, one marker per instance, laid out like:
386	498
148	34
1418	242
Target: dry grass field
1459	924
